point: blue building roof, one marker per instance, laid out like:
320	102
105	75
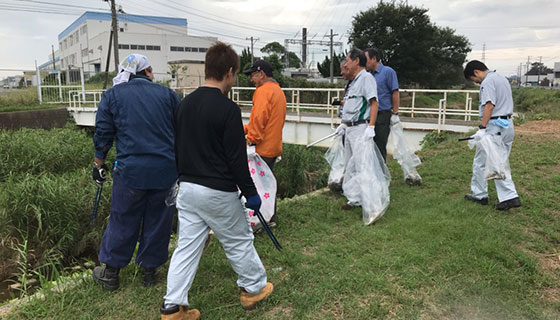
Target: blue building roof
106	16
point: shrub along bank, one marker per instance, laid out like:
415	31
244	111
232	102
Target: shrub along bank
46	195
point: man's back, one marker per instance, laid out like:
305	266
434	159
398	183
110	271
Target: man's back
268	119
210	143
139	114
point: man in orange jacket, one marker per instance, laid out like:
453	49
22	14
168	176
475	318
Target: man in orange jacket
264	130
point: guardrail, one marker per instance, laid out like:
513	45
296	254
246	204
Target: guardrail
319	100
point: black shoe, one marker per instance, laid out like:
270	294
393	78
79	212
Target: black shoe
483	201
508	204
106	276
149	277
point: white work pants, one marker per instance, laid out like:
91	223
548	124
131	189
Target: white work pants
479	186
351	136
201	209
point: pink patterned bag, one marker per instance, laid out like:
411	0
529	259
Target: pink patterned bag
265	182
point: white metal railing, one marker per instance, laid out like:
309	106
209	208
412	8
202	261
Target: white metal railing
323	104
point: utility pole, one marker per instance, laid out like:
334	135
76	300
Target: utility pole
108	61
539	71
115	35
304	47
253	40
527	70
53	63
332	56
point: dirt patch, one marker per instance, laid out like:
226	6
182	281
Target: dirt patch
541	127
309	251
280	312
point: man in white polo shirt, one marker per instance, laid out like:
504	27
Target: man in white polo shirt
495	110
360	106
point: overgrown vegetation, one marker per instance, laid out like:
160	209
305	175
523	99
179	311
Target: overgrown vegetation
17	98
432	255
537	103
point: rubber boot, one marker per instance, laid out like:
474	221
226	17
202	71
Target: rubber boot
249	300
106	276
149	277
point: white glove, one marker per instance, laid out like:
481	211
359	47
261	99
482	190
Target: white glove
395	119
369	133
251	150
479	134
340	130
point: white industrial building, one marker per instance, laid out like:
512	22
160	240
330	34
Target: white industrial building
85	42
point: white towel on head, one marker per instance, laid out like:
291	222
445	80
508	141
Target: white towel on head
130	65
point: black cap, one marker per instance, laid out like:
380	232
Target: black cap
260	65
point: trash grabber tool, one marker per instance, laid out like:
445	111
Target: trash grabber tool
465	139
96	204
270	234
322	139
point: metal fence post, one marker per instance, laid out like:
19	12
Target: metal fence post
38	83
83	86
412	107
59	86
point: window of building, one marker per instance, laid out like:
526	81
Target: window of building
65	43
202	49
194	49
124	46
188	49
141	47
71	40
157	48
84	52
133	47
83	29
121	29
181	49
77	36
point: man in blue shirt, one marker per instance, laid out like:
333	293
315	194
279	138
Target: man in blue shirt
138	114
388	97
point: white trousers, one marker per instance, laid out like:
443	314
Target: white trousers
351	136
201	209
479	186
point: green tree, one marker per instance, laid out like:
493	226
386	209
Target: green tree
325	66
245	59
279	50
539	68
421	53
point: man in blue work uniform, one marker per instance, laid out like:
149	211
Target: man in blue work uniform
388	93
495	110
139	115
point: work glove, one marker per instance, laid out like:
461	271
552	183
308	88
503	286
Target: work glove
99	174
369	133
253	202
251	149
479	134
395	119
341	129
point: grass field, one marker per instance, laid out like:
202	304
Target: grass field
432	256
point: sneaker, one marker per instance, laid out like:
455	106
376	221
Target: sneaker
106	276
149	277
483	201
508	204
179	313
249	300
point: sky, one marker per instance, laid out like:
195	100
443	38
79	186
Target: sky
512	31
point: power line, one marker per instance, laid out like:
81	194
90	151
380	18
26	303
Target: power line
59	4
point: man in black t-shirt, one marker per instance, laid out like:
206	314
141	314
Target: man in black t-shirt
211	156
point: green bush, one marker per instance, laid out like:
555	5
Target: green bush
52	213
301	170
537	103
35	151
23	97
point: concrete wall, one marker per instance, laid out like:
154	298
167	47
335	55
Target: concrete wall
44	119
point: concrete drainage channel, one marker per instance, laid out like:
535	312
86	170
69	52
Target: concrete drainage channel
83	272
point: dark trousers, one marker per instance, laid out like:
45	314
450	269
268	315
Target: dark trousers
136	215
270	162
382	130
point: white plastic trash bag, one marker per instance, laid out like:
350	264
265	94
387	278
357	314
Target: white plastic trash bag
497	163
367	181
265	182
406	157
335	157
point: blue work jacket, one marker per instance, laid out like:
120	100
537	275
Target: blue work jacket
139	115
